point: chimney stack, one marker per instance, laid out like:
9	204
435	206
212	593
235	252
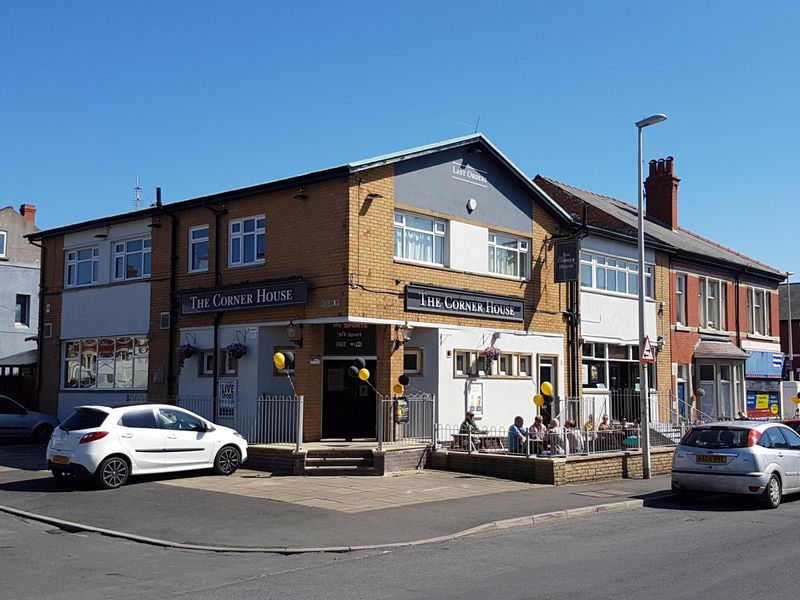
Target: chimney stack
661	191
28	211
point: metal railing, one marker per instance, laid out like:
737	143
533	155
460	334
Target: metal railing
269	419
406	419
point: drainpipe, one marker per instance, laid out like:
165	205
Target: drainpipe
736	301
218	214
40	326
173	302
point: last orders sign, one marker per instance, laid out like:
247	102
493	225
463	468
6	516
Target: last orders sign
261	296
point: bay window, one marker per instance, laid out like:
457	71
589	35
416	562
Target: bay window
420	239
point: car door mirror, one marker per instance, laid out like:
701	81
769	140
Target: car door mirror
201	427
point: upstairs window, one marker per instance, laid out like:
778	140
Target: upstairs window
198	249
22	310
420	239
247	241
508	255
680	299
132	260
82	266
3	237
712	298
613	274
758	316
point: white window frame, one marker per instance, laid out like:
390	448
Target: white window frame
705	301
418	354
681	299
124	255
72	263
438	230
592	261
24	310
753	325
204	368
194	241
238	237
4	244
138	357
522	250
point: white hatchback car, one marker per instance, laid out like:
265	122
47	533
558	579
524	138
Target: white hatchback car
755	458
111	443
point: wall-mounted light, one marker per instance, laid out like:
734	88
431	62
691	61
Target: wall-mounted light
301	194
374	196
102	236
472	204
660	343
295	334
403	334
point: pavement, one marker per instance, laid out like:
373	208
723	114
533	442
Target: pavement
253	511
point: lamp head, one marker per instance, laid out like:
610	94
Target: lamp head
651	120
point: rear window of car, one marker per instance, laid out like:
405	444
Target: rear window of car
140	419
716	437
84	418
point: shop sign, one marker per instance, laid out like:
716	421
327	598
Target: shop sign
763	405
567	261
445	301
259	296
350	339
764	365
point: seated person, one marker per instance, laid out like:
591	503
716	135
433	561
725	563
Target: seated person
555	437
516	436
623	423
537	430
469	425
604	424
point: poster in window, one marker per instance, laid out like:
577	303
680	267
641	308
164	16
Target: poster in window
228	394
475	398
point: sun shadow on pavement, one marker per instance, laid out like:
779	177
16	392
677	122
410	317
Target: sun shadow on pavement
710	502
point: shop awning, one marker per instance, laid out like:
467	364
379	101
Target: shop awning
718	350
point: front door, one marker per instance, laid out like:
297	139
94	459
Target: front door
348	404
547	372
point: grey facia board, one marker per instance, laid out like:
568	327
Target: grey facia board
256	296
446	181
446	301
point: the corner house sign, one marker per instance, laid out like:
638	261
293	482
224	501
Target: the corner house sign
445	301
567	261
258	296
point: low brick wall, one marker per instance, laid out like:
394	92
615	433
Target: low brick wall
392	461
554	471
278	461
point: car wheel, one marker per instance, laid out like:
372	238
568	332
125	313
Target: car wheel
227	460
112	472
41	435
772	493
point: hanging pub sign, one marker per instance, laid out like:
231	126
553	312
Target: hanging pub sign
350	339
567	261
266	295
427	298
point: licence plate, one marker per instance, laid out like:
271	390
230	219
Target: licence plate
710	458
60	460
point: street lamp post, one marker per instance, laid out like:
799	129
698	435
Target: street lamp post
791	346
644	385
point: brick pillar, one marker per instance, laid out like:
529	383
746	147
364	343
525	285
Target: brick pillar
308	380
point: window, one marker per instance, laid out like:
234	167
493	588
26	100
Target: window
247	241
412	361
471	363
613	274
198	249
419	239
82	266
106	363
132	260
680	299
3	249
613	367
464	363
205	363
177	420
290	364
508	255
9	407
525	365
22	310
139	419
230	364
712	296
758	316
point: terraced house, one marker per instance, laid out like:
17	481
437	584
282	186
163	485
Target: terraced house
424	262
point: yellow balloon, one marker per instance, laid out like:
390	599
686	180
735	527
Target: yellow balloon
363	374
547	388
796	399
279	359
538	400
398	389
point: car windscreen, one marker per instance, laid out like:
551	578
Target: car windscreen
716	437
84	418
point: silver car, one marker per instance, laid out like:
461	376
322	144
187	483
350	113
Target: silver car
738	457
18	421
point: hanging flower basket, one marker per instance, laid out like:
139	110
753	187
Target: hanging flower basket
237	350
185	351
491	354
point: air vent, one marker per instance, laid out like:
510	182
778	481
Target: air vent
165	320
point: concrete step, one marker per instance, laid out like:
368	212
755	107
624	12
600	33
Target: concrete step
344	453
339	461
333	471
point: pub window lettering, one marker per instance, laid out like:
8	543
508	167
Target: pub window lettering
247	241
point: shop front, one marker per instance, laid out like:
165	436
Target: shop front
763	372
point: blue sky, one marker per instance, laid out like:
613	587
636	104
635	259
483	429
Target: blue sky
199	97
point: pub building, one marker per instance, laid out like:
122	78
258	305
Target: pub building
424	262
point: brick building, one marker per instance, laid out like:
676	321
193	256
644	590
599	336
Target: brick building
416	262
717	310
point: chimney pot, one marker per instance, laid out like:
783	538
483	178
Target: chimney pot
670	167
661	189
660	166
28	211
652	164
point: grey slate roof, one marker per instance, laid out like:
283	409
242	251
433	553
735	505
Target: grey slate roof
784	304
21	359
683	241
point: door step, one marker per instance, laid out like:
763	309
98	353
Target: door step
339	462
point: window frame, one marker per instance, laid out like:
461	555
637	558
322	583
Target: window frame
588	259
721	300
193	242
138	355
752	325
145	252
523	260
22	311
93	261
681	298
239	237
3	244
419	354
434	233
